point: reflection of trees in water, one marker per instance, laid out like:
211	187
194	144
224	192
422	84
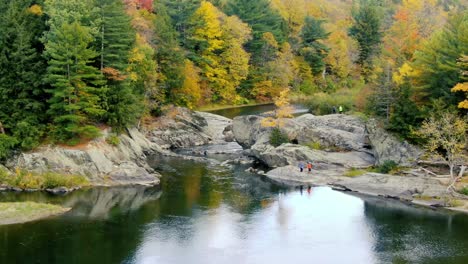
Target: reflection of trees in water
193	189
104	226
102	203
404	233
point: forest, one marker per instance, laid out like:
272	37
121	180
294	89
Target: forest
69	68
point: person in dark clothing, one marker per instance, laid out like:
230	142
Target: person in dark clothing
334	110
301	166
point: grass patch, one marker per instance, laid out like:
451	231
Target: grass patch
12	213
314	145
28	180
455	203
353	172
426	197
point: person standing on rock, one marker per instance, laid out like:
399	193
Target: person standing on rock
301	166
309	167
334	110
340	109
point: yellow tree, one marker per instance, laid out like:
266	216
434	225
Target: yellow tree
234	58
283	110
463	86
218	43
190	93
206	39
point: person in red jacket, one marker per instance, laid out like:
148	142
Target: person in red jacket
309	167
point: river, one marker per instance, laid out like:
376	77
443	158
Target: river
208	213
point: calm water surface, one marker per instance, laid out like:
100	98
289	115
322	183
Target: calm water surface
211	214
257	109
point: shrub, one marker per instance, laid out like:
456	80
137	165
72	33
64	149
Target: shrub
464	190
387	166
7	144
113	140
277	137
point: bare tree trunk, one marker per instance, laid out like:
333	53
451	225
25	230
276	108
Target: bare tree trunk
2	130
462	171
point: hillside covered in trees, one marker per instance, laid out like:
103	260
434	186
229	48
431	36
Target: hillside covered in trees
70	67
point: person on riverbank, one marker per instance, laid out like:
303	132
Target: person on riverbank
340	109
309	167
334	109
301	166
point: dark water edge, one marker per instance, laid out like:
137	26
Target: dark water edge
299	108
205	213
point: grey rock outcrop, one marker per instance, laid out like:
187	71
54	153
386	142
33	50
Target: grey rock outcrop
183	128
388	147
289	154
99	161
375	184
333	131
179	128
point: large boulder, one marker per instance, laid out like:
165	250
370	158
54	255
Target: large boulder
248	129
333	131
218	128
179	128
99	161
184	128
289	154
388	147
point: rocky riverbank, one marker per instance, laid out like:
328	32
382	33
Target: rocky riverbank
336	145
124	161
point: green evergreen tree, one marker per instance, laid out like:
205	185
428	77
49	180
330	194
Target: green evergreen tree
366	30
405	114
180	12
76	93
21	68
436	62
115	42
312	49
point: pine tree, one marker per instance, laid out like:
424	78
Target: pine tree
435	64
115	42
366	30
180	12
76	84
313	50
21	69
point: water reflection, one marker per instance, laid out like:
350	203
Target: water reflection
406	235
289	228
206	213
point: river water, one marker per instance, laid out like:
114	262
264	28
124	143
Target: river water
208	213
